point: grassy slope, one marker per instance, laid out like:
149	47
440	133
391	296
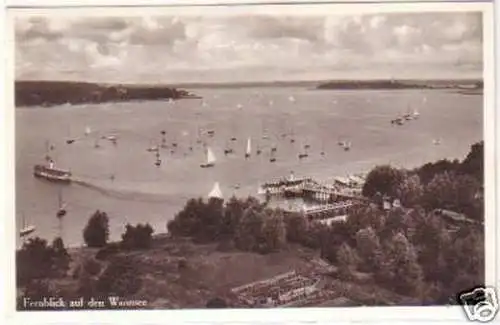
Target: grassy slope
211	272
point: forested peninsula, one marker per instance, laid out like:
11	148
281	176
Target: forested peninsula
51	93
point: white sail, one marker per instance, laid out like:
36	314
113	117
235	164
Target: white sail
249	146
210	156
87	130
215	192
292	99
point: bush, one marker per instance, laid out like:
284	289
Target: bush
92	267
109	250
96	231
36	260
120	278
138	237
216	303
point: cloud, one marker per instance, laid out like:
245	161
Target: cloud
222	48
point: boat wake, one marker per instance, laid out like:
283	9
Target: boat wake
124	194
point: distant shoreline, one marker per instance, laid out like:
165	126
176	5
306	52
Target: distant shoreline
51	93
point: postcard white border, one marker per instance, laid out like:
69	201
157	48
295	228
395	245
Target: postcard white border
282	316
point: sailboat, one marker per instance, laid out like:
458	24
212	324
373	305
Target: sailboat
249	148
215	193
291	99
26	229
210	159
416	114
347	146
273	157
158	160
87	131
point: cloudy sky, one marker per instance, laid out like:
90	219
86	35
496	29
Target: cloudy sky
224	48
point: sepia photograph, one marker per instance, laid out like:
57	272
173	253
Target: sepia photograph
250	157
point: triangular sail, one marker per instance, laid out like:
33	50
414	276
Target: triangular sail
249	146
210	156
215	192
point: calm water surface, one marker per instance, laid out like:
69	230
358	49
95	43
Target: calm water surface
141	192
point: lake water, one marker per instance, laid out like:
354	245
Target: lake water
141	192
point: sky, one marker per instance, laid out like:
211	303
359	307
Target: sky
250	47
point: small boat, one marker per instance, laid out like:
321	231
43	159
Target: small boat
215	193
87	131
233	139
347	146
249	148
61	212
70	141
51	173
307	146
274	149
228	151
158	162
416	114
258	151
210	159
26	229
211	133
436	142
153	149
272	158
174	144
303	155
291	99
96	143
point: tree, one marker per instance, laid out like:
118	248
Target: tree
407	272
383	179
410	191
138	237
296	227
451	191
347	261
96	231
36	260
369	249
248	235
61	257
473	164
273	231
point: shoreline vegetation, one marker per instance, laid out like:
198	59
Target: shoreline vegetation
51	93
423	251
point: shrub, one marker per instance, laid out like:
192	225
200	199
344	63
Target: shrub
138	237
92	267
216	303
96	231
36	260
107	251
121	278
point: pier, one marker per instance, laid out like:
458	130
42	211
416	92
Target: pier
308	188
